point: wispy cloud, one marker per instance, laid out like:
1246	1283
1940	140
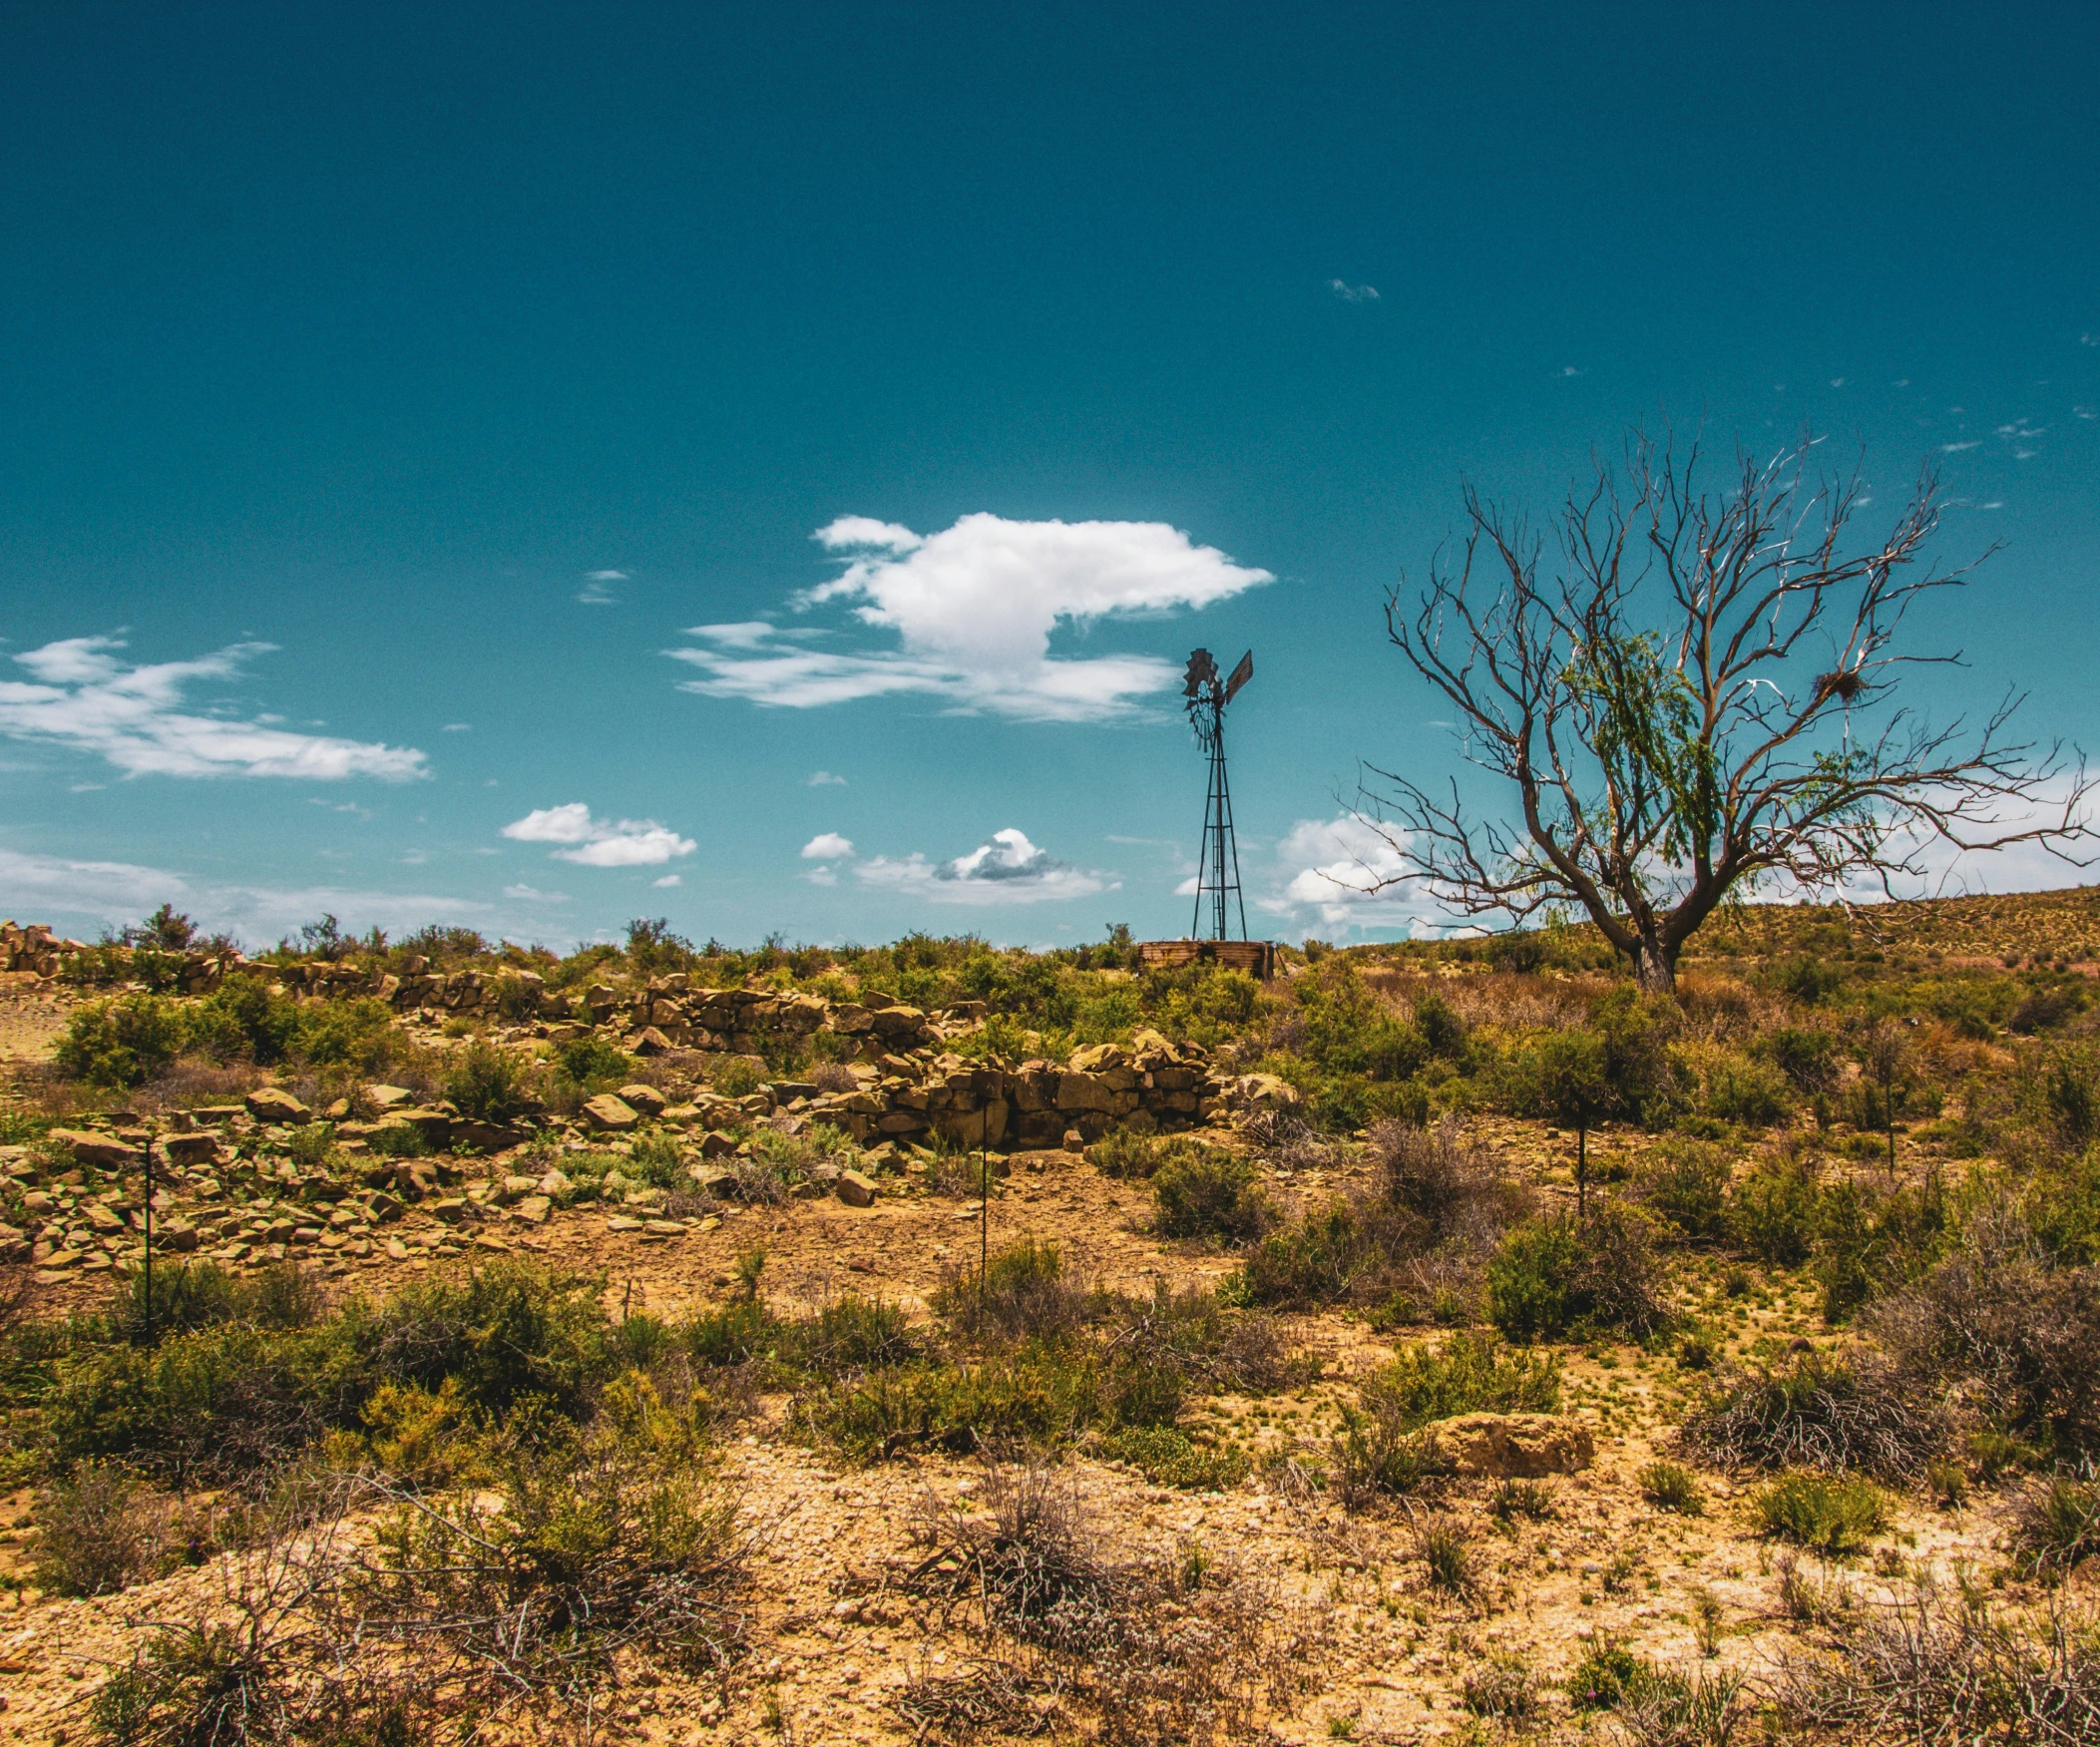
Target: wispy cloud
1349	294
974	609
81	696
667	880
1957	448
593	842
533	895
825	780
43	886
1007	869
598	587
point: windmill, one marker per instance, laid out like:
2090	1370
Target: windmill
1218	863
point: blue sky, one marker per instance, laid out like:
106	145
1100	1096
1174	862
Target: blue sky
538	466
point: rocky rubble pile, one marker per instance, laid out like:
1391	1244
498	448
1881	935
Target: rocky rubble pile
33	948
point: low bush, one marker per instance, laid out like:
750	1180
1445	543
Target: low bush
1685	1184
487	1084
1827	1513
119	1042
1562	1276
1502	1687
1670	1485
1324	1258
1158	1649
1607	1675
849	1335
1937	1661
1169	1457
1830	1414
97	1532
1373	1455
1772	1211
1019	1292
1209	1194
256	1378
2019	1335
1037	1395
1473	1373
1740	1088
1434	1209
2057	1528
1445	1552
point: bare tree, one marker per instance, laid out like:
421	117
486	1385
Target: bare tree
1686	708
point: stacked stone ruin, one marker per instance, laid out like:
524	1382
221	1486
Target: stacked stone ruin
909	1087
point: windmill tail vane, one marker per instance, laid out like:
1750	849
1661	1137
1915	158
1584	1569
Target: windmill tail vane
1207	692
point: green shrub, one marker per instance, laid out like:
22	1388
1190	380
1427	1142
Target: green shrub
1670	1485
736	1075
1870	1241
1827	1513
1445	1552
1773	1211
1686	1183
211	1405
851	1334
1607	1675
397	1140
1319	1260
1473	1373
730	1335
1373	1455
1808	1058
1021	1292
487	1084
585	1067
1740	1090
1208	1192
1168	1457
502	1332
119	1042
309	1145
1037	1395
1562	1276
2058	1529
355	1034
242	1020
1125	1153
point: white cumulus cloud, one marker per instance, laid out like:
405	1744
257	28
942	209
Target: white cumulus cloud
973	610
1348	872
1007	869
589	841
80	694
827	846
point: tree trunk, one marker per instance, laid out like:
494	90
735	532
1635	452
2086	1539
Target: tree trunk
1654	968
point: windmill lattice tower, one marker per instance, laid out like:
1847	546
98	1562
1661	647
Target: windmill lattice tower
1218	862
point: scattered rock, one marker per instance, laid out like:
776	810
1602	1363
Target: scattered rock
97	1149
1515	1446
645	1099
856	1190
273	1103
609	1115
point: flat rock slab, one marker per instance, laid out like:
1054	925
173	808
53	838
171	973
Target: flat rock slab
1515	1446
